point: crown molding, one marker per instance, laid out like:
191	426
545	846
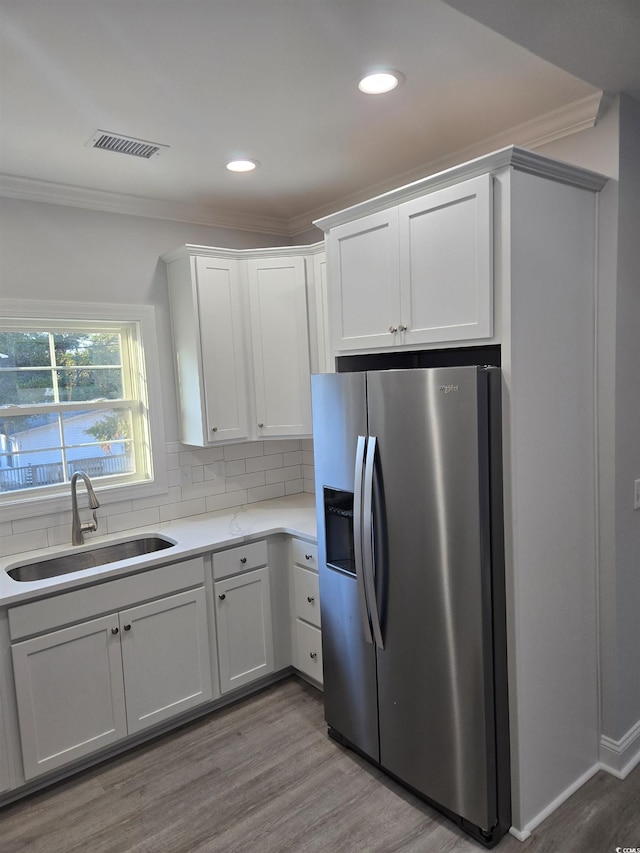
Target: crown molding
571	118
30	189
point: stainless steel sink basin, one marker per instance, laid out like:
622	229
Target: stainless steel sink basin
79	560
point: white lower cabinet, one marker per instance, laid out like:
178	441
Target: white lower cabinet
84	687
5	776
307	638
244	630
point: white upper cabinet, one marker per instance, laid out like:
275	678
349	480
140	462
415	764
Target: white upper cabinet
365	281
241	341
446	281
416	273
280	344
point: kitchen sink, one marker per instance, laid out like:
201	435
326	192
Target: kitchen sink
99	556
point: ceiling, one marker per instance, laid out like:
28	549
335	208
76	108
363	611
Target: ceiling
275	80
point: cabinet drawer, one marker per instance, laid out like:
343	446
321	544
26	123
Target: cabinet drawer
306	595
309	644
304	553
240	559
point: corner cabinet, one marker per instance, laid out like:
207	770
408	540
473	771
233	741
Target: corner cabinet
416	273
241	342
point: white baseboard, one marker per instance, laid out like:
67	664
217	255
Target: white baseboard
619	757
527	829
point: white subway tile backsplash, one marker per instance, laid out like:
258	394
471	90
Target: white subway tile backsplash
221	478
265	493
281	445
281	475
235	467
201	455
293	457
170	512
245	481
293	487
18	542
226	501
129	520
263	463
244	451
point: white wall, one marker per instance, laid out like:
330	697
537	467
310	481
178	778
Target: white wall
612	147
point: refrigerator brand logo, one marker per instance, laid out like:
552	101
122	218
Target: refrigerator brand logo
449	388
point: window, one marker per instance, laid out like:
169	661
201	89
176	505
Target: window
73	396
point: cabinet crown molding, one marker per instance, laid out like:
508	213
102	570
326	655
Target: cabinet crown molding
190	250
514	157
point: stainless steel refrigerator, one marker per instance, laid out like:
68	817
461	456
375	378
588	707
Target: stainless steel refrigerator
409	505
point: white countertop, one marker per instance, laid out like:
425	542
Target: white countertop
294	515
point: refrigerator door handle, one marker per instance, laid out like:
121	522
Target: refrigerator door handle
367	540
357	538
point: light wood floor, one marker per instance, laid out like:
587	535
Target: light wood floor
263	776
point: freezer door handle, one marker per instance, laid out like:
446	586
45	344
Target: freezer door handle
357	537
367	540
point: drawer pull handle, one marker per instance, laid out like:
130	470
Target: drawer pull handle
311	599
313	655
115	630
222	597
243	560
308	556
127	627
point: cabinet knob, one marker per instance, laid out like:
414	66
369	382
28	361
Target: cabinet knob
308	556
310	599
115	630
243	560
127	627
222	597
260	426
214	429
393	329
402	328
313	655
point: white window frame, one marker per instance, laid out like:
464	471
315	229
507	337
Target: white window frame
25	503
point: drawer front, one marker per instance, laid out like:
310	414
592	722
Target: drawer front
85	603
234	560
309	644
306	595
305	553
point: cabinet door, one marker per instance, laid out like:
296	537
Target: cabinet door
280	340
364	282
446	264
222	345
5	776
165	655
70	694
243	627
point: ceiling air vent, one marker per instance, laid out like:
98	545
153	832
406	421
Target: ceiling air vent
124	144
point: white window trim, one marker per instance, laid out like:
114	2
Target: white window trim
145	315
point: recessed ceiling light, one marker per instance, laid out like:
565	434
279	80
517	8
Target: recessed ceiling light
380	82
242	165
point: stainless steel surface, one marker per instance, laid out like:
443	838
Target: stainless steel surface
339	416
77	528
436	729
426	546
88	559
367	541
357	539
